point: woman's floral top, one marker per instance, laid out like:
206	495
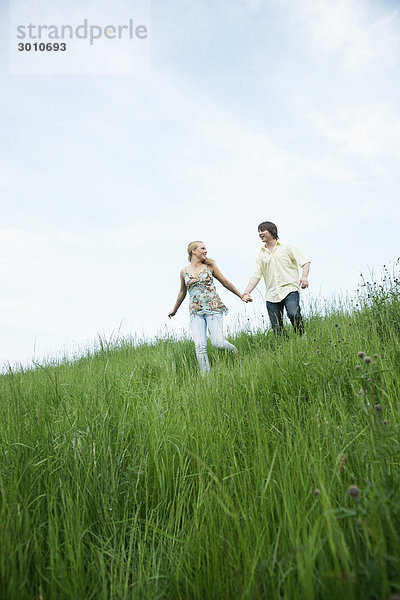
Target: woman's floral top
204	299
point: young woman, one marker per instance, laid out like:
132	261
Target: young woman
205	306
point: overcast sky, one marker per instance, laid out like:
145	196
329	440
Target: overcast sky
251	110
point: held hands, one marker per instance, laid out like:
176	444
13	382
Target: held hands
246	298
172	313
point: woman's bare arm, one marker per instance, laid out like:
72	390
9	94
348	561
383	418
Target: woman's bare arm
181	295
225	282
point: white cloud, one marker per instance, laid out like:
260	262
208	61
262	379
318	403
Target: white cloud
255	4
357	34
369	131
342	79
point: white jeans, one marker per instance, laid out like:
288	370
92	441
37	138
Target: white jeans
198	326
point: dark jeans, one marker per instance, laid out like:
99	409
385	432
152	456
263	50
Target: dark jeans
292	305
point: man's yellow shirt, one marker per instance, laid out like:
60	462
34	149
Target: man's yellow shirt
279	268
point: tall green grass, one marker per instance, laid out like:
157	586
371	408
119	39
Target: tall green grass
125	474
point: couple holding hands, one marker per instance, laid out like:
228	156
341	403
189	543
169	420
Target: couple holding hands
277	263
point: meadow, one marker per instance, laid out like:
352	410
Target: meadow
126	475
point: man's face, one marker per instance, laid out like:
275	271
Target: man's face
265	236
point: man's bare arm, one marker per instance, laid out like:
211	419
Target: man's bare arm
250	286
304	276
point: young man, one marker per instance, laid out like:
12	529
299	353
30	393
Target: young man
278	263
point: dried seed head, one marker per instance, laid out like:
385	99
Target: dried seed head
353	491
316	492
378	408
358	367
385	422
367	360
360	354
336	325
342	461
375	356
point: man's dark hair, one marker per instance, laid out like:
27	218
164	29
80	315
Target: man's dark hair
270	227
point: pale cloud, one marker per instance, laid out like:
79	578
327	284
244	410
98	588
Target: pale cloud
357	34
369	131
14	238
349	94
10	179
255	4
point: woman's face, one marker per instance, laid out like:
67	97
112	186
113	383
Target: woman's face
200	252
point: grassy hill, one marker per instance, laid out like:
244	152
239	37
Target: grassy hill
125	474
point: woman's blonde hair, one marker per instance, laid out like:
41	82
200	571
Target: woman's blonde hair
192	246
